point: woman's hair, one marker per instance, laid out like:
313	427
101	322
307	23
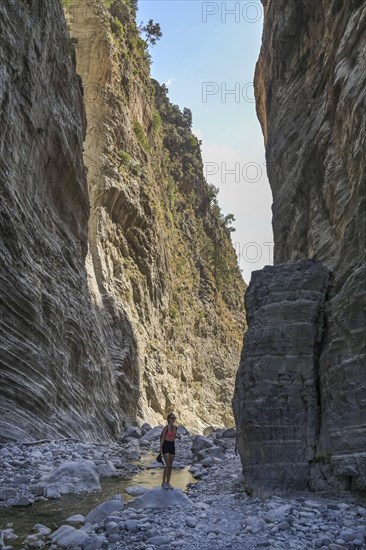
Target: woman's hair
169	415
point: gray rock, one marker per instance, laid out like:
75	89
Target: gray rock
115	519
96	543
200	443
145	428
7	492
191	522
132	525
103	510
208	461
136	490
230	432
107	469
36	489
182	430
214	452
113	539
68	536
254	524
76	518
76	382
41	529
160	498
112	528
133	432
152	435
22	502
52	493
348	535
72	477
159	540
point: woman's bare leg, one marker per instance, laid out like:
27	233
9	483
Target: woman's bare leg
169	472
166	467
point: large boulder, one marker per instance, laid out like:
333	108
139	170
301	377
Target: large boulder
67	536
160	498
145	428
214	452
230	432
182	430
105	509
132	432
200	442
153	434
71	477
276	400
107	469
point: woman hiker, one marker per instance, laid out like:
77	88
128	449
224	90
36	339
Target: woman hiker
167	449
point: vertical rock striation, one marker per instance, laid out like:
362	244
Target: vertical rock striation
159	253
54	378
310	90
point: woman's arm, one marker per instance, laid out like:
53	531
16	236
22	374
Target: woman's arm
162	437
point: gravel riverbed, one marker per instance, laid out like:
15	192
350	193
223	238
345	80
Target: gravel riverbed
214	513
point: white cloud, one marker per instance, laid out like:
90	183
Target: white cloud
169	81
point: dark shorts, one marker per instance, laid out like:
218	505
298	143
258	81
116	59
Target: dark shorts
169	447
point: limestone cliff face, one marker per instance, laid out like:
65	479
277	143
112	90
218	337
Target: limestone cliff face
160	257
114	254
310	90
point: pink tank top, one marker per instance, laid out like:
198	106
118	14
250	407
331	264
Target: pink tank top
170	436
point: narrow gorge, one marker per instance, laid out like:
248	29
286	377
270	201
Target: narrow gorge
121	297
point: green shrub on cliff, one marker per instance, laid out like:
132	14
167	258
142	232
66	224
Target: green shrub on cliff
156	122
117	27
140	134
124	157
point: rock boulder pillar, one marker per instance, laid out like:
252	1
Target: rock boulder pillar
277	394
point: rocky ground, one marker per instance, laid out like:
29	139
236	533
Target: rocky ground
215	513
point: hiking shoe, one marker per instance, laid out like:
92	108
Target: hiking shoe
170	487
165	485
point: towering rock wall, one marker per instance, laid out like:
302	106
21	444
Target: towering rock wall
55	375
310	90
113	258
160	255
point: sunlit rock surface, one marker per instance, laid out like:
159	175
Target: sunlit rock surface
159	255
310	90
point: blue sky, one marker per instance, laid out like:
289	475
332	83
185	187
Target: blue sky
207	50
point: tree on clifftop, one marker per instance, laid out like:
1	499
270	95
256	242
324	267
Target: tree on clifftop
152	31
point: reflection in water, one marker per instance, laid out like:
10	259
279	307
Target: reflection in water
53	513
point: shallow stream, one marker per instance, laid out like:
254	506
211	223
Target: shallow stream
53	513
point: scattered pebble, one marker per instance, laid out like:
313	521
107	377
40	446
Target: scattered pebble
214	514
